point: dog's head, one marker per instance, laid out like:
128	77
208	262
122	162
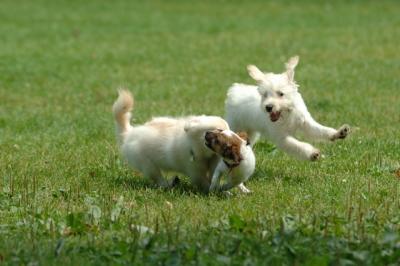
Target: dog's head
226	144
276	90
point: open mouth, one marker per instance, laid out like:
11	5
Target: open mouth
274	116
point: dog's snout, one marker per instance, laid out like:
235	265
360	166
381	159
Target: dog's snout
269	108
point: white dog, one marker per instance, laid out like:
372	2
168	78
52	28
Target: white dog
237	159
275	109
167	144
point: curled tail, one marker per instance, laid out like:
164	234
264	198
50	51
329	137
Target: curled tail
122	112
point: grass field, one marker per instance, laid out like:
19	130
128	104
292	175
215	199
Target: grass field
66	197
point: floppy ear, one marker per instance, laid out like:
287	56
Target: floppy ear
243	135
290	66
255	73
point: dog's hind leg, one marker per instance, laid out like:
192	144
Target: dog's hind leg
299	149
315	131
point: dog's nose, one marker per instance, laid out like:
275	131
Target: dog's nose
269	107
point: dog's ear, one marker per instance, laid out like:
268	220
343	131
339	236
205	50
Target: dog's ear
243	135
255	73
290	66
292	62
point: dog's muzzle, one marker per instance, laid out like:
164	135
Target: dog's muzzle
273	115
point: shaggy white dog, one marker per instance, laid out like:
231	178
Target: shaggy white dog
275	109
167	144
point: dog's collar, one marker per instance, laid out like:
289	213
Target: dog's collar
231	165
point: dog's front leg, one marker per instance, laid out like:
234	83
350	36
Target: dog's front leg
229	185
253	137
315	131
299	149
215	181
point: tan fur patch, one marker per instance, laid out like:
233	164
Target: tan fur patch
244	136
161	124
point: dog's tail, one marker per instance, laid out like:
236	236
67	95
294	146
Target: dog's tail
122	112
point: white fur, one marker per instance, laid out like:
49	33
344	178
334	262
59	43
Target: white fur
237	175
167	144
246	111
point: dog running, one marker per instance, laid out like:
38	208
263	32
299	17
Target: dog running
167	144
275	109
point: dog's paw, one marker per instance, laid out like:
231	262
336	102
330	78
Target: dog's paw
342	132
227	193
315	155
244	189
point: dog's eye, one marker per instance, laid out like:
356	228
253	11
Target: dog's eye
280	94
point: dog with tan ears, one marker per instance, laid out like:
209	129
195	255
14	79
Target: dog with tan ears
237	159
167	144
275	109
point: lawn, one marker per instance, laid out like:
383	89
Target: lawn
66	196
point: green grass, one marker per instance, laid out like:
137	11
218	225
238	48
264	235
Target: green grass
66	197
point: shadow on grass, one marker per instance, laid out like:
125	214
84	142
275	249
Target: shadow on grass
273	164
182	187
263	172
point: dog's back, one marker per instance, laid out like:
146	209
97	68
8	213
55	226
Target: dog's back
161	142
